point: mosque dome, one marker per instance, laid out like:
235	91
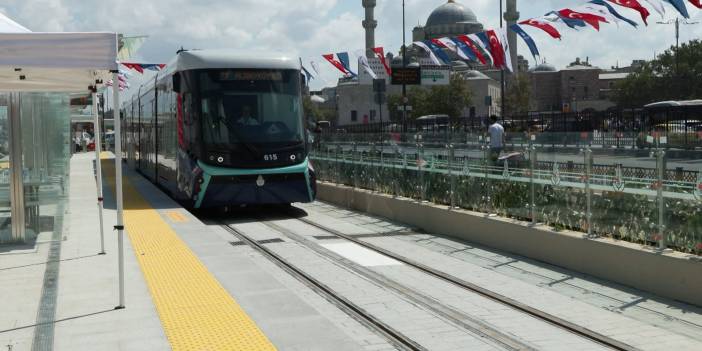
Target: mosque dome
545	67
451	13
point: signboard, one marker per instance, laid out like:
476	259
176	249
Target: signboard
407	76
436	75
379	85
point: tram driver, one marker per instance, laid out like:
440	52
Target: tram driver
246	118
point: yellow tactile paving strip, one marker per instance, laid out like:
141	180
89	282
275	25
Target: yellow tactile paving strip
197	313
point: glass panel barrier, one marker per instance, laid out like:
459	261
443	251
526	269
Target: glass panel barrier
46	156
5	216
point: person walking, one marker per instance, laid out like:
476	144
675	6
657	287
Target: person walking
497	139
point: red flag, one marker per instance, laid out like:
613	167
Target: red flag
464	38
135	66
634	5
496	48
551	30
380	53
439	43
697	3
335	63
589	18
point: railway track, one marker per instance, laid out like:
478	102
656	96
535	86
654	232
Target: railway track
396	338
536	313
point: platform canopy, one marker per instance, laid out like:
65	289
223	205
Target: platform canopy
7	25
55	62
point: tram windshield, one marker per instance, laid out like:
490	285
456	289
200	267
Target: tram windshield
251	107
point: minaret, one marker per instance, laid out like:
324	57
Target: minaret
512	16
370	24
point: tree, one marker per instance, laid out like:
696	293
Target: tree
449	99
517	96
675	74
310	109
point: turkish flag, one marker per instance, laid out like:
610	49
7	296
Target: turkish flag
591	19
551	30
335	63
697	3
464	38
380	53
496	49
635	5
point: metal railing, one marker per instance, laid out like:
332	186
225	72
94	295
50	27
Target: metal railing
649	199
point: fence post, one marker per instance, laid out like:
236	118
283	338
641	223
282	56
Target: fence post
532	168
588	192
420	164
355	165
660	165
486	170
452	175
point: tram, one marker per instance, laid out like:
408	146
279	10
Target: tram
215	129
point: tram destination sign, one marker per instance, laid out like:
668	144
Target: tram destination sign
407	76
253	75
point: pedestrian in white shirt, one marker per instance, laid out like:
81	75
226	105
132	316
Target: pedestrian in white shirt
497	139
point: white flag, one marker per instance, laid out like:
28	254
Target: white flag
658	6
363	62
505	45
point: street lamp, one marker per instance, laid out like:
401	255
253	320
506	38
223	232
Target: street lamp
677	23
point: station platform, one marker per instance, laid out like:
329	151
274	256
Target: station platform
195	283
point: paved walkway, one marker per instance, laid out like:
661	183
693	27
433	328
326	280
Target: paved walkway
61	295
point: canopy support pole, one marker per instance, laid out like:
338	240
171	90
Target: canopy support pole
118	185
98	168
17	208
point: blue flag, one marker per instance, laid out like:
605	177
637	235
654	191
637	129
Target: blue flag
527	39
307	73
484	38
467	52
570	22
680	6
438	52
614	12
346	61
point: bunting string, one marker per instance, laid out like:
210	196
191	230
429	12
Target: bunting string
491	47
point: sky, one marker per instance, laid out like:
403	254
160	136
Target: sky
310	28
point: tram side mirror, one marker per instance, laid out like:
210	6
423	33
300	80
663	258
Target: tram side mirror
176	82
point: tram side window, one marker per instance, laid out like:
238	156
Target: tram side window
187	118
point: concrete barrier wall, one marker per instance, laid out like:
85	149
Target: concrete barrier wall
672	275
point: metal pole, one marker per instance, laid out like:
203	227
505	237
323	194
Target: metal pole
17	208
532	165
588	191
452	175
118	186
660	156
421	162
502	75
98	168
404	65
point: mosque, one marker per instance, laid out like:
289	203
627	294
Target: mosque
355	104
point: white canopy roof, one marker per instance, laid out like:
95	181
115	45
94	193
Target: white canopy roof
9	26
55	62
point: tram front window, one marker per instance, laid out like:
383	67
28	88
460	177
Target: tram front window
258	108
